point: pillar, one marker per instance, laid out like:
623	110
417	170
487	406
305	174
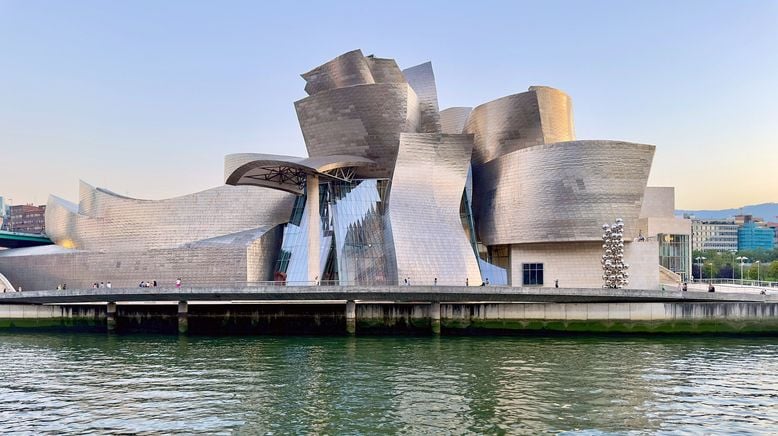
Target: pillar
314	224
351	317
183	317
435	317
110	317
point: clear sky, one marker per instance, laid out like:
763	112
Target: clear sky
146	97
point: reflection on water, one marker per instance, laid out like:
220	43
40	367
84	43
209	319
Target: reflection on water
83	383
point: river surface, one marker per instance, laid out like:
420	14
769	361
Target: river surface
63	383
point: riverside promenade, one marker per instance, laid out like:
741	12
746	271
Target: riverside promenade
351	309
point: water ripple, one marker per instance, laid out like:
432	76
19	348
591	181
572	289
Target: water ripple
68	384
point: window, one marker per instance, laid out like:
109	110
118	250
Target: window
532	274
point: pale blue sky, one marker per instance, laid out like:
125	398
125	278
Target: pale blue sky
146	97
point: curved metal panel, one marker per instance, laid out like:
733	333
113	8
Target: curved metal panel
542	115
384	70
116	223
364	120
348	69
560	192
422	80
423	214
286	173
454	119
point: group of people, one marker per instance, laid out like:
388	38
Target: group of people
151	284
96	285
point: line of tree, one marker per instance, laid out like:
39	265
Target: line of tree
725	265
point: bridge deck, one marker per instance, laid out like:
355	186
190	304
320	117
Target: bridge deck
375	294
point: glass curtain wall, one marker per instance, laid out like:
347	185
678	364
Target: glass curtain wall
674	253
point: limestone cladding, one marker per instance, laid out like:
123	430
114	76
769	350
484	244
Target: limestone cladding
577	264
658	202
670	226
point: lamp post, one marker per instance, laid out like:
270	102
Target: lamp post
699	260
741	259
710	264
758	275
733	266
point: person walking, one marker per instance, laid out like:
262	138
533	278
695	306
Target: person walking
436	281
556	283
108	285
178	282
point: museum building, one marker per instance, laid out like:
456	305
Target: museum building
393	191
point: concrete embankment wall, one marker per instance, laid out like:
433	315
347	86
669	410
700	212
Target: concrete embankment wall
375	318
22	316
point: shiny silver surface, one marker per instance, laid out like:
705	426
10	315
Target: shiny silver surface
406	191
362	120
560	192
422	80
541	115
348	69
454	119
428	238
235	258
106	221
614	270
122	240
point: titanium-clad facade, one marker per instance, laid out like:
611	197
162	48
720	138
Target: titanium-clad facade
541	115
106	221
422	80
428	237
560	192
360	120
241	258
454	119
393	189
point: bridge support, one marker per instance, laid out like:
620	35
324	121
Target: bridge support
351	317
183	317
435	317
110	317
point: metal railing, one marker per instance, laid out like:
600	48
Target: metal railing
243	283
739	282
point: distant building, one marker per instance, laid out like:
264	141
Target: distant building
672	234
3	212
27	219
774	226
716	235
753	236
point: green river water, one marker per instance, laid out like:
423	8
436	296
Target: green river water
82	383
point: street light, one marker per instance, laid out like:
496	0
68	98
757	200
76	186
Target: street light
699	260
710	264
758	275
733	265
741	259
